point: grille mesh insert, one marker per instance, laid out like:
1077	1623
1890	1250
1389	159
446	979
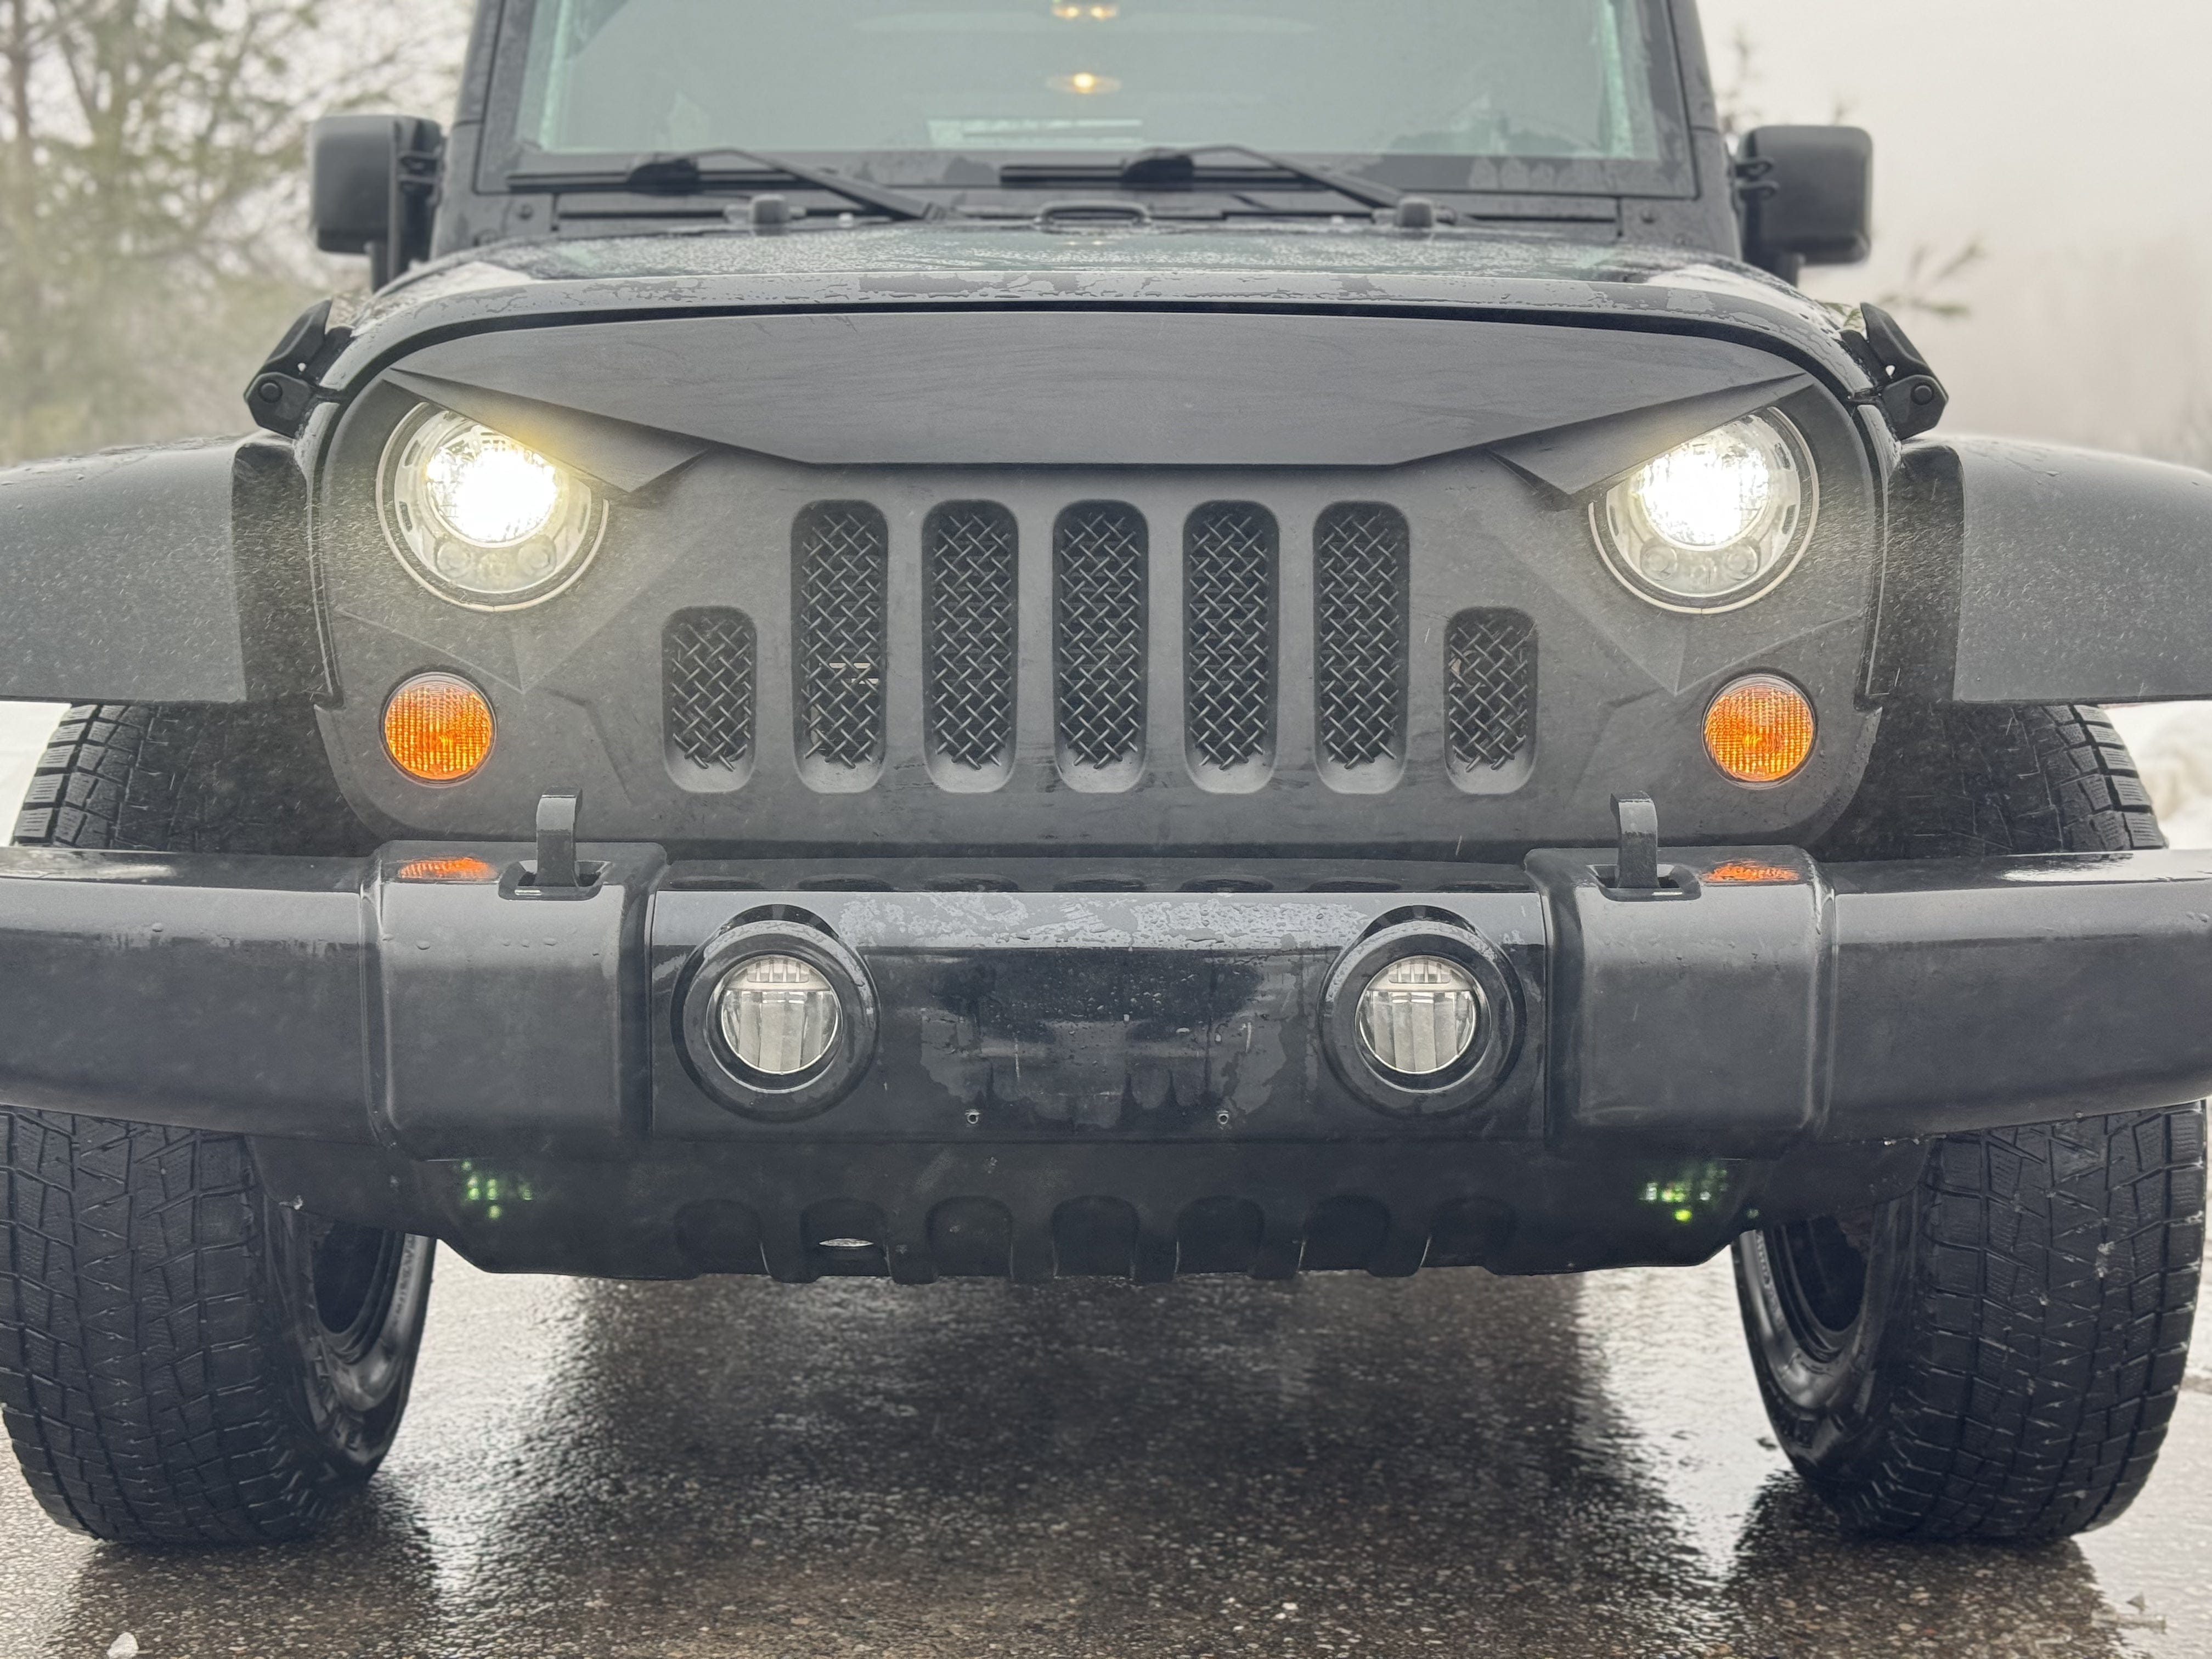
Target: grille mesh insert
707	661
1361	555
1099	551
969	550
1229	634
840	606
1489	689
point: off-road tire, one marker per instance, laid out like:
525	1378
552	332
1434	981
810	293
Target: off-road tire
1998	1355
175	778
183	1361
1956	782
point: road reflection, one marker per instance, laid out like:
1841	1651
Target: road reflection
1453	1465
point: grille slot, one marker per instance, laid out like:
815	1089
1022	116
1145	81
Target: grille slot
1099	557
970	554
840	605
1490	696
1229	565
1362	552
707	662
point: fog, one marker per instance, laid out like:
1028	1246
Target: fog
2072	139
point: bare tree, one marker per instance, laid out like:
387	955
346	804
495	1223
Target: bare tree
150	162
1739	114
1932	278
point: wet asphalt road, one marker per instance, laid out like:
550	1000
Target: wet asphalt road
1454	1465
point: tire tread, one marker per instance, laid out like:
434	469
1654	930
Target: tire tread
2052	1300
135	1380
184	778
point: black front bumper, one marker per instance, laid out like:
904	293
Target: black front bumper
1142	1080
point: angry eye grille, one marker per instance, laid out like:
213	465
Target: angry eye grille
926	635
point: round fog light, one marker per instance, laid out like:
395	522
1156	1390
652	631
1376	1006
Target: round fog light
779	1015
1419	1016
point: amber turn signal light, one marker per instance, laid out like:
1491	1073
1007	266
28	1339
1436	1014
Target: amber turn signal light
437	728
1759	730
448	873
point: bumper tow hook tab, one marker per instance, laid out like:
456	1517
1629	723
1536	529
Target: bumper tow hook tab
1636	869
557	844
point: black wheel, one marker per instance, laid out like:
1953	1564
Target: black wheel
1996	1356
183	1361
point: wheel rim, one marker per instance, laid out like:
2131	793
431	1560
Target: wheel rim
356	1274
1806	1293
1819	1280
365	1290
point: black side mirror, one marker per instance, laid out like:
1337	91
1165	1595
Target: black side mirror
373	182
1807	197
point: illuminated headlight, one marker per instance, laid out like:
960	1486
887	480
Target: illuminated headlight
1717	522
1419	1016
779	1015
481	519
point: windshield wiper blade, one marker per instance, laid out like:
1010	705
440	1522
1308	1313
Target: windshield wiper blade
1177	166
683	174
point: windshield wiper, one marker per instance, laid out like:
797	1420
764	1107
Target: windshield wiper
1179	166
682	175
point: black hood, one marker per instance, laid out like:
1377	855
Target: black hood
1351	267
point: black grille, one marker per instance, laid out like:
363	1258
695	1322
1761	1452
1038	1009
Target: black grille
1489	689
1098	634
1229	635
1361	553
968	552
838	634
706	660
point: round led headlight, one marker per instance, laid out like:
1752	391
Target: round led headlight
481	519
1714	523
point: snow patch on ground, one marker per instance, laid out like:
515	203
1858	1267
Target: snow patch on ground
2173	745
24	729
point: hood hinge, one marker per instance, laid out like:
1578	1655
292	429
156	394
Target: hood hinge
1904	384
283	389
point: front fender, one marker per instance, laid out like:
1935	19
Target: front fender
2028	573
177	574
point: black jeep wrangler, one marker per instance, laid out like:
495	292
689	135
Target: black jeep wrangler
1122	637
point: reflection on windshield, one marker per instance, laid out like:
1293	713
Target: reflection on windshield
1565	79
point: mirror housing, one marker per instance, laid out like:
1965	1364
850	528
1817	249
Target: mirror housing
372	183
1805	197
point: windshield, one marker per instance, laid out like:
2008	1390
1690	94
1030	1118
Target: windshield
1566	80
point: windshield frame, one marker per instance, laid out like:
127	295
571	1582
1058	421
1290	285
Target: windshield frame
505	162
